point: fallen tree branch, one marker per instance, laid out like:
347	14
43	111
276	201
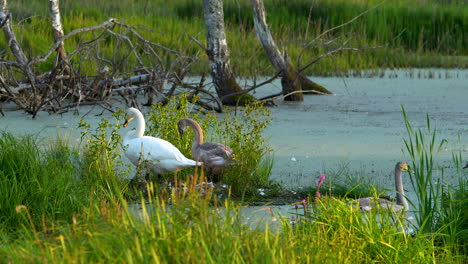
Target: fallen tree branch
104	26
280	94
254	87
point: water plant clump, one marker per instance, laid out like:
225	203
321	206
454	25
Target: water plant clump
95	223
160	231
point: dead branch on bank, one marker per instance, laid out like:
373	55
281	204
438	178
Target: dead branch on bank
132	72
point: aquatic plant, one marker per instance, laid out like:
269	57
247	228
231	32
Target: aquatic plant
320	181
102	148
159	231
104	227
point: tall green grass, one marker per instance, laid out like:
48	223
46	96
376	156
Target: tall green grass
433	34
441	207
46	181
190	230
74	211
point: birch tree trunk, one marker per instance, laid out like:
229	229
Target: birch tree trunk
291	81
223	78
58	33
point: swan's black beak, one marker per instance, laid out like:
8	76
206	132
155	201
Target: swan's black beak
125	124
466	166
181	132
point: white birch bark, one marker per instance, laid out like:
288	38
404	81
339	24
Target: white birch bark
217	50
58	31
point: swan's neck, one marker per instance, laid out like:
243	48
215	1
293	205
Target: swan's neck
400	195
198	138
140	127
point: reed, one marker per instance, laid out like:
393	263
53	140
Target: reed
440	205
95	223
43	179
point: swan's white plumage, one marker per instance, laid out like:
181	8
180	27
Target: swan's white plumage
160	155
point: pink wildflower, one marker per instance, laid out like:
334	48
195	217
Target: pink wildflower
321	179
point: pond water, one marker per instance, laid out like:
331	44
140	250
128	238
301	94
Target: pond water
361	126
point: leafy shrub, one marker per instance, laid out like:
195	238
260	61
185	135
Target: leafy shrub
102	166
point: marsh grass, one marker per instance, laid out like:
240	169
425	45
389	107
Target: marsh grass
43	179
192	230
102	148
429	35
440	205
345	183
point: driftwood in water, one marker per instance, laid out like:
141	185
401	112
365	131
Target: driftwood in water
292	82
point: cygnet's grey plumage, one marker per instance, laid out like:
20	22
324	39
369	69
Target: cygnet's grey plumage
215	156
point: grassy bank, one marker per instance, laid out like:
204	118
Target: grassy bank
64	204
415	33
184	227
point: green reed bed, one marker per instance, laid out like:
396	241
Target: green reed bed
241	129
432	34
441	206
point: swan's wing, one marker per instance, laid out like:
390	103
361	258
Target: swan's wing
157	148
215	149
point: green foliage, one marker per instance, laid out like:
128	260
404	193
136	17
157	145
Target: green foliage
422	151
241	130
102	150
192	231
44	180
348	236
342	182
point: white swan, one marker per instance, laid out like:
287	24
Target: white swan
369	203
215	156
160	155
